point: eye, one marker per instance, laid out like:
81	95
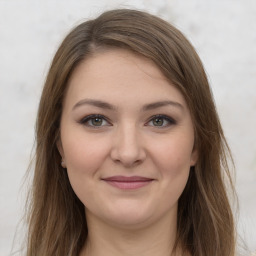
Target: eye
95	121
161	121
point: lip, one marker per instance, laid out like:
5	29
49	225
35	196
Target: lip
128	183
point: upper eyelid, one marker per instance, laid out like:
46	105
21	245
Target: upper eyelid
88	117
162	116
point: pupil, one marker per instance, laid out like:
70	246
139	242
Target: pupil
158	121
97	121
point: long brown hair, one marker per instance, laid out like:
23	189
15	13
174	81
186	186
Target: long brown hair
57	223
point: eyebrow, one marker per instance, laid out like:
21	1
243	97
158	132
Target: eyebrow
96	103
162	104
105	105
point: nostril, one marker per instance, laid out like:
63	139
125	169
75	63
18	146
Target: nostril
128	158
127	147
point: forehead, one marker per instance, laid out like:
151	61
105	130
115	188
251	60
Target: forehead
120	76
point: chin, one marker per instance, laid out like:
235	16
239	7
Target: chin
131	216
130	221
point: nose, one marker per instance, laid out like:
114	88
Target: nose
127	148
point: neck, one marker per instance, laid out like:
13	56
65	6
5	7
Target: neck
155	239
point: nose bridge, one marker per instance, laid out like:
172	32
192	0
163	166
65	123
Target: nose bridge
127	145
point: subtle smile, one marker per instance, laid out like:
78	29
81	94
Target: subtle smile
124	182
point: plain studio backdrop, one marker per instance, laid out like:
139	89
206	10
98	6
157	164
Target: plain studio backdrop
222	31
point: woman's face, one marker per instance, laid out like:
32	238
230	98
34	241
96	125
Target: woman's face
126	139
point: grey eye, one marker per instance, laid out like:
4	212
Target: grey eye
96	121
158	121
161	121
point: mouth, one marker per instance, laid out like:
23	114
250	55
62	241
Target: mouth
128	183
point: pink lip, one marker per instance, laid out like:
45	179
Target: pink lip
124	182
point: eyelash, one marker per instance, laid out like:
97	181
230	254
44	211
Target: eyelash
89	118
170	120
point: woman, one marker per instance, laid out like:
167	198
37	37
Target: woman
131	157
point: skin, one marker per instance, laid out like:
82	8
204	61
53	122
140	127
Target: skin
127	141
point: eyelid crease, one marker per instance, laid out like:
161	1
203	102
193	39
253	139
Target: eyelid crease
85	119
162	116
165	117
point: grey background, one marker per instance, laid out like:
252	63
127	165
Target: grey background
222	31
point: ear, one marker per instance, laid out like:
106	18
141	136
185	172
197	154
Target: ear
60	148
194	157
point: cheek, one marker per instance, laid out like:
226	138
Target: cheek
84	154
173	160
173	155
